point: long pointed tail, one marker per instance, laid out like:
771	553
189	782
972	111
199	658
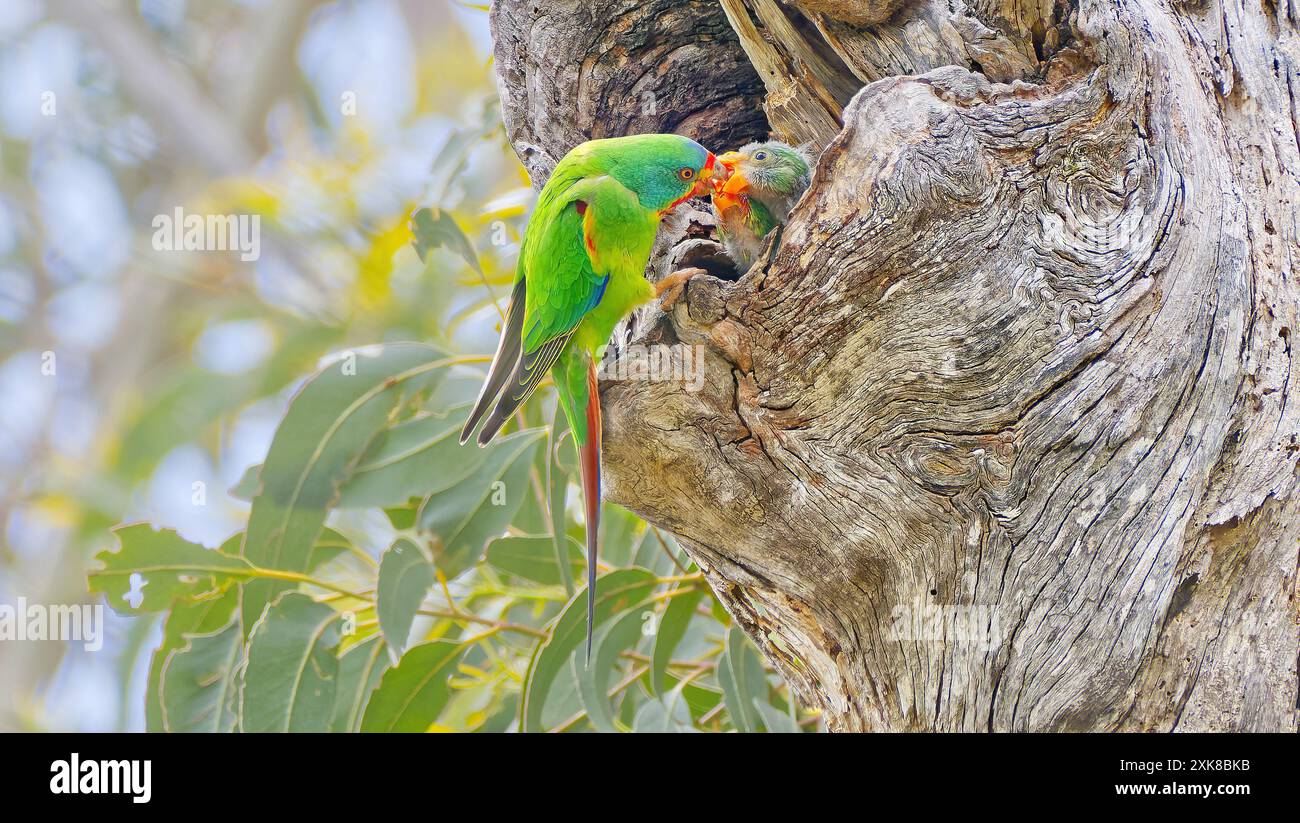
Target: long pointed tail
589	461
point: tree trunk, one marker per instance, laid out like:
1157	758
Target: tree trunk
1002	435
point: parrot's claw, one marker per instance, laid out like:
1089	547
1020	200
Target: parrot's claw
671	288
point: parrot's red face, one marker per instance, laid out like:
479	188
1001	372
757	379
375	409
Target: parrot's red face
714	174
707	178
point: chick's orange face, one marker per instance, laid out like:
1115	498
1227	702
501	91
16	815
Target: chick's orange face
730	189
726	169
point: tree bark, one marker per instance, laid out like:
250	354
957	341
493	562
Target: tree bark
1020	367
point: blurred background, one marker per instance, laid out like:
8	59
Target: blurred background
127	374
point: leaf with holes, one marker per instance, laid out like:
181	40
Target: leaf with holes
151	569
187	617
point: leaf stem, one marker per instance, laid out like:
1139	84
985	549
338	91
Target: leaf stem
297	577
681	578
664	545
620	686
482	621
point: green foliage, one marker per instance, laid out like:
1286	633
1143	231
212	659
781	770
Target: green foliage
293	667
533	558
745	687
152	569
198	689
673	627
405	576
413	693
321	643
360	668
435	228
329	426
465	517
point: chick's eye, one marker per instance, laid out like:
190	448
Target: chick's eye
686	173
761	155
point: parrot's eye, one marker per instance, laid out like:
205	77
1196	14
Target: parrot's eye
686	173
760	155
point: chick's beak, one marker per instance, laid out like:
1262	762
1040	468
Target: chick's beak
735	185
711	177
726	170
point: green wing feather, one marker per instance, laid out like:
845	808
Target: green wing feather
567	281
562	281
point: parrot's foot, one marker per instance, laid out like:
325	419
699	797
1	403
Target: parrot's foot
671	288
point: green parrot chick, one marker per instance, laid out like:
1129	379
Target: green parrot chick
766	179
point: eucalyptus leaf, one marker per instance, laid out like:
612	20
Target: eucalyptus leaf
292	671
360	670
329	425
668	713
620	532
434	228
700	697
201	615
621	635
557	486
464	518
187	617
413	693
329	545
740	673
151	569
776	721
672	628
657	551
415	458
199	686
405	577
533	558
616	593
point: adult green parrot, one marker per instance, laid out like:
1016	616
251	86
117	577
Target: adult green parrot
764	182
581	270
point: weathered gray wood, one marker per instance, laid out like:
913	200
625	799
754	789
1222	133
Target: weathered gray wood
573	70
1024	346
857	12
807	87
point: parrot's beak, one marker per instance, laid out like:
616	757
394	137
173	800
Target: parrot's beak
711	177
726	169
